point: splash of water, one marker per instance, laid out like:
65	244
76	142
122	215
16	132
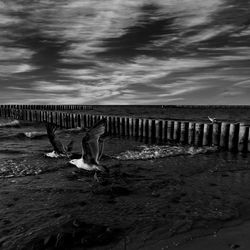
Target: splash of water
145	152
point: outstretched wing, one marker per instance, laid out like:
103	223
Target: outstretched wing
90	142
101	145
69	146
57	145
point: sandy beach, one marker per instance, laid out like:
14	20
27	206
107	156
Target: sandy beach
184	202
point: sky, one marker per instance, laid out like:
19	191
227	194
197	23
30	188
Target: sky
125	52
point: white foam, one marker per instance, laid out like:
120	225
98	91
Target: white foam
52	154
10	123
34	134
153	152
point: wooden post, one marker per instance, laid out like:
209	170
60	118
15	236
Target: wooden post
184	132
198	134
78	120
248	144
145	129
124	126
85	117
121	123
114	128
243	138
216	134
177	130
224	136
136	128
34	115
164	131
110	123
116	125
170	130
88	120
65	122
140	128
42	116
75	120
130	121
151	131
72	121
233	136
207	134
49	116
191	133
59	119
127	127
27	115
158	131
39	115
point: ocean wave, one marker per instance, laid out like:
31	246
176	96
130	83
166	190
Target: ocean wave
8	124
145	152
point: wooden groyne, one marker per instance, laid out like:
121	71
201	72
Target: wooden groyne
48	107
228	136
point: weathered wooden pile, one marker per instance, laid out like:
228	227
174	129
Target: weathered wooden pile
48	107
229	136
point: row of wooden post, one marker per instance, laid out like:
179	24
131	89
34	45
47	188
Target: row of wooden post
48	107
229	136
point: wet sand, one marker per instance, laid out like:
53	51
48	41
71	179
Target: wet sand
184	202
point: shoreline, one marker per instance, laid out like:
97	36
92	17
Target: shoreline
141	204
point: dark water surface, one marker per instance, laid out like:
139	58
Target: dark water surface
196	113
23	147
149	200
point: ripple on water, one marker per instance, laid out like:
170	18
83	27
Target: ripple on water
25	166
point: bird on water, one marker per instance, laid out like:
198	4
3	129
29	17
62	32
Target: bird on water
92	148
58	148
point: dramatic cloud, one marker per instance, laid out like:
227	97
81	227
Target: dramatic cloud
125	52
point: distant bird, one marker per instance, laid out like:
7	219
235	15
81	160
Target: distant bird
59	148
92	149
212	119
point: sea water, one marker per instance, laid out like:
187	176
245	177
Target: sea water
23	146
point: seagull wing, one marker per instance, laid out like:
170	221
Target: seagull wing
101	145
90	142
210	119
57	145
69	146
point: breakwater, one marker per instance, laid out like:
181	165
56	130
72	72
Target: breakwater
228	136
47	107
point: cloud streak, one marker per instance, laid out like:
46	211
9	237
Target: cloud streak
125	52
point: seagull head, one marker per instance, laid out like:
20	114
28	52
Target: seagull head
74	162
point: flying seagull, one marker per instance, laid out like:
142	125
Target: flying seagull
59	148
212	119
92	148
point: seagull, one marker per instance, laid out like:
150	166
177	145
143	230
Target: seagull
59	148
92	149
212	119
